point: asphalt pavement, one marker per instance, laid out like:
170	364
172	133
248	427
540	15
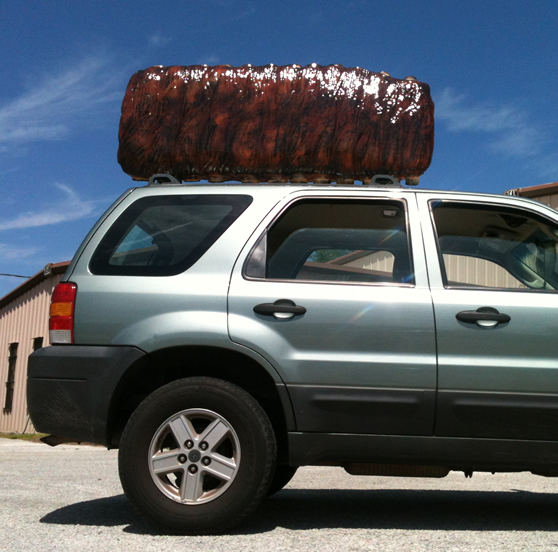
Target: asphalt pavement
69	498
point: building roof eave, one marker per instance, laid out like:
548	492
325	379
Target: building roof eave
55	268
538	191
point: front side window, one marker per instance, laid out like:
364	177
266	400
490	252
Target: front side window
362	241
165	235
488	246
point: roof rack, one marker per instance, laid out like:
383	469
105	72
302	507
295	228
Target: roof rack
378	180
162	178
383	180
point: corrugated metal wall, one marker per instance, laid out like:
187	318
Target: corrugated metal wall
551	200
381	261
21	321
478	272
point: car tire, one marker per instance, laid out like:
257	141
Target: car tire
283	474
197	456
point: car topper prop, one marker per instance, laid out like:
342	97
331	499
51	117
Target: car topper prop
275	124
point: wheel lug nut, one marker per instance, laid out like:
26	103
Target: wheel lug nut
206	460
203	445
182	458
193	468
189	444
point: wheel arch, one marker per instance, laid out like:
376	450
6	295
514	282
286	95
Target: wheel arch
238	367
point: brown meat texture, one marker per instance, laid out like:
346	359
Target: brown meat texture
274	123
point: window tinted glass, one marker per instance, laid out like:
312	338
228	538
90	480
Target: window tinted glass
495	247
165	235
342	241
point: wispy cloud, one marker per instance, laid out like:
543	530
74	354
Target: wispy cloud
9	252
242	15
210	59
512	132
52	107
71	207
158	40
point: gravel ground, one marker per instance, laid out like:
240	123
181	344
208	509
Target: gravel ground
69	498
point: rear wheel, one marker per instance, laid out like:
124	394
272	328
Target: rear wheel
197	456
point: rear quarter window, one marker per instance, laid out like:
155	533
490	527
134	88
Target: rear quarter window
165	235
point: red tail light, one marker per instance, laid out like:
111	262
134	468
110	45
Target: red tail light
61	322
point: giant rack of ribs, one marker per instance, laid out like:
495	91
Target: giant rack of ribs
275	124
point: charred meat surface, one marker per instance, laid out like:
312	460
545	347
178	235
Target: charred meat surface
274	123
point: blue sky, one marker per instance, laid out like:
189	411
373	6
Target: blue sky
492	67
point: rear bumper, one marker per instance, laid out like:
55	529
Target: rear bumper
70	389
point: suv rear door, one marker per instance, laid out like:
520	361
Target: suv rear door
332	291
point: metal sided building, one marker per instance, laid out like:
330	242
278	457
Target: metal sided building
23	328
545	193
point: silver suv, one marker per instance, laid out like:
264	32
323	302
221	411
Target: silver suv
223	335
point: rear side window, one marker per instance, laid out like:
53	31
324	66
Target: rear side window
165	235
321	240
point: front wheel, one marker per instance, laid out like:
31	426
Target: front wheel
197	456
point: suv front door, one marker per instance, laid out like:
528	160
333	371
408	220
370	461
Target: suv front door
333	292
493	270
